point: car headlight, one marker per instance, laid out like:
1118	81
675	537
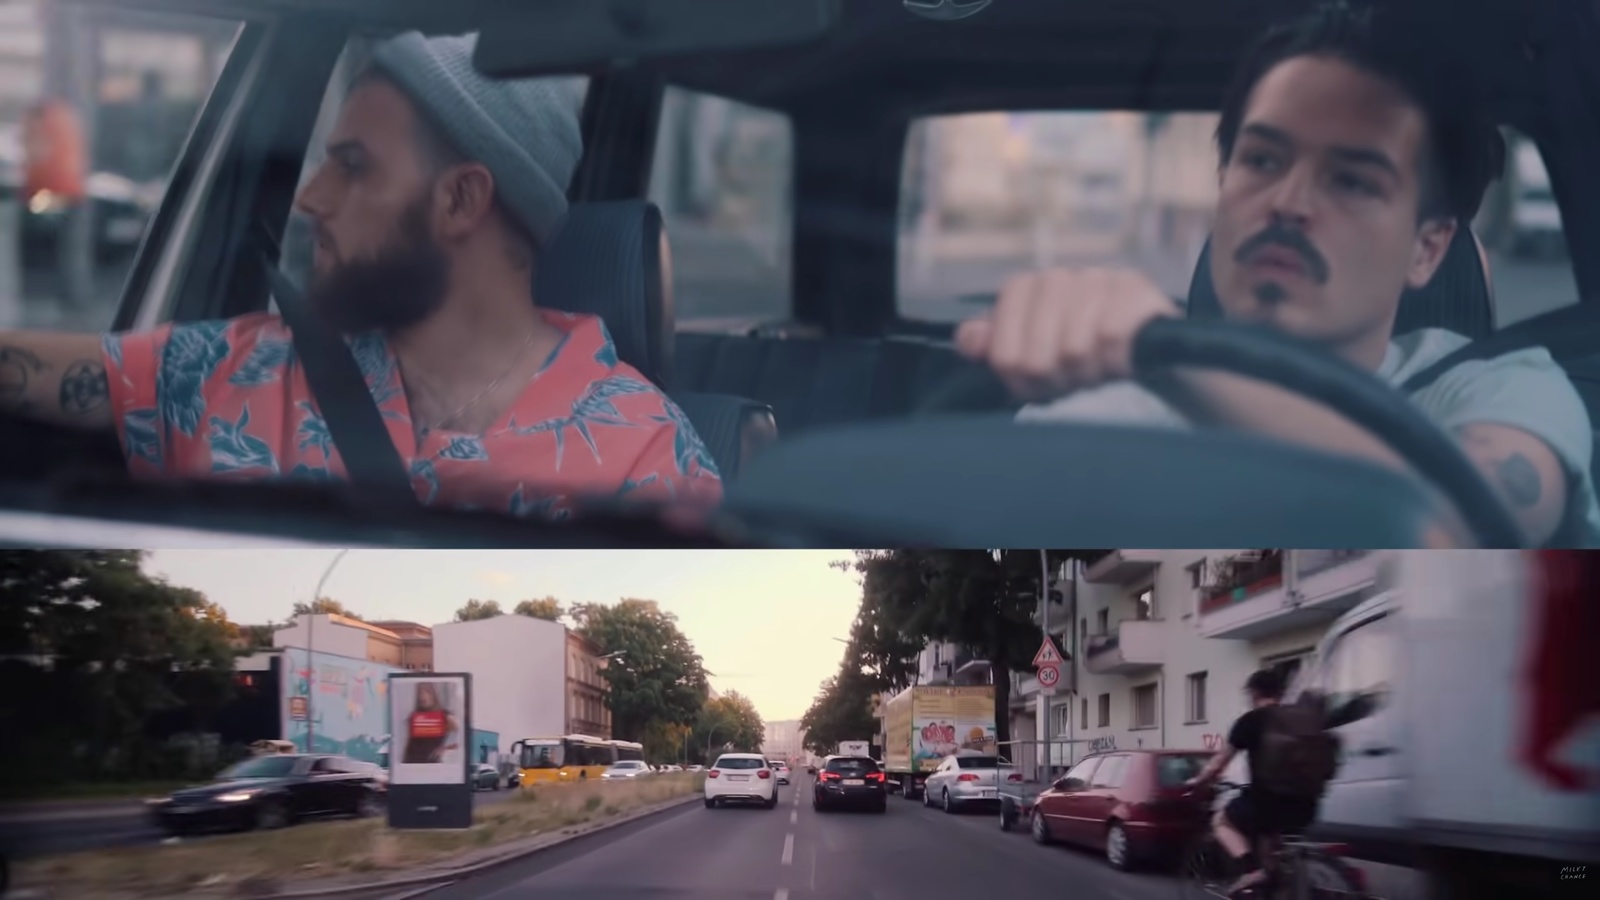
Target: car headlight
236	796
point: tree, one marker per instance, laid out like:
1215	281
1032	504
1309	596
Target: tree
982	600
325	606
479	609
257	637
656	677
95	651
730	720
544	608
842	711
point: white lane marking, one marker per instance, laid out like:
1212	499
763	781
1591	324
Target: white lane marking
794	816
788	848
781	894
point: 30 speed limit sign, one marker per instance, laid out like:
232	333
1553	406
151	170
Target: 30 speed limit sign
1049	676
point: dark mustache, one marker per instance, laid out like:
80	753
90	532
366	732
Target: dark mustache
1316	266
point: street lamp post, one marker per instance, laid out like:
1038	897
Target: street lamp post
311	662
709	735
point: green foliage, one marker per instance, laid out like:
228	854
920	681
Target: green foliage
325	606
100	660
842	711
479	609
731	724
658	676
543	608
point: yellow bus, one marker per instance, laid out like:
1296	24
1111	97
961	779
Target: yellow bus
627	750
572	757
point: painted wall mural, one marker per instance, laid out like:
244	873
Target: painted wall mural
347	712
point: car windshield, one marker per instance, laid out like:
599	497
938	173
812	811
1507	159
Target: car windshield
852	767
260	767
977	762
740	762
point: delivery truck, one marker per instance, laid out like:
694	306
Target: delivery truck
1466	696
855	748
924	724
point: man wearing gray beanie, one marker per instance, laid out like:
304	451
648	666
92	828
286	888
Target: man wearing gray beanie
439	190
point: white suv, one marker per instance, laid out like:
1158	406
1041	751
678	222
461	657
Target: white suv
743	777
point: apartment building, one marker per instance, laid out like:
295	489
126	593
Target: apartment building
587	689
403	645
1159	642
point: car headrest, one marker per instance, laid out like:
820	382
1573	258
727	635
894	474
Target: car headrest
1456	298
605	260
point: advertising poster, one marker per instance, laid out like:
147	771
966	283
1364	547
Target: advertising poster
431	740
951	719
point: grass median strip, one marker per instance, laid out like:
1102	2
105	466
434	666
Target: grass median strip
260	861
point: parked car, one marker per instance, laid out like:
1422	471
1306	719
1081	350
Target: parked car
850	781
1129	804
485	776
625	769
741	777
967	779
271	792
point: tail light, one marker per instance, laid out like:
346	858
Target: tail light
831	776
763	774
966	776
875	776
1014	776
713	773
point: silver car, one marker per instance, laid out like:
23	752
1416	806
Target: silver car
627	768
967	779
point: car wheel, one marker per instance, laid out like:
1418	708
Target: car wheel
369	806
710	803
927	798
1117	847
882	807
1038	828
271	815
949	807
773	803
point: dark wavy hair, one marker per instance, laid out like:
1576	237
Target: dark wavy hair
1267	683
1464	149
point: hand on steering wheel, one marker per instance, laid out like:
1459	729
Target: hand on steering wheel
1049	336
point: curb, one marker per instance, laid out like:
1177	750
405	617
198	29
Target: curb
454	874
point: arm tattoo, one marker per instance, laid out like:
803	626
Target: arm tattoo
1520	480
85	388
18	366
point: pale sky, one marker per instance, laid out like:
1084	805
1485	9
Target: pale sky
764	620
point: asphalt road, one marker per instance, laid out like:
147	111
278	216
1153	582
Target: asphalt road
52	829
793	853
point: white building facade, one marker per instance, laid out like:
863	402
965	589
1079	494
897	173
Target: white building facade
1159	643
519	673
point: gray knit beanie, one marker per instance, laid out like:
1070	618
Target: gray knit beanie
524	131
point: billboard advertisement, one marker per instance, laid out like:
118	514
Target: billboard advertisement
432	750
950	719
431	738
342	702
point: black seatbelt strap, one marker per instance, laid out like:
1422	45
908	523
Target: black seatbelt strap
1568	334
340	390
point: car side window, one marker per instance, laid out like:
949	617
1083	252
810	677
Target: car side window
81	175
1082	770
1109	775
1358	669
323	766
723	176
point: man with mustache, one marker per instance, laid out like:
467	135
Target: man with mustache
1350	157
438	191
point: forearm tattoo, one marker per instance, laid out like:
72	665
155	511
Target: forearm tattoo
85	388
19	368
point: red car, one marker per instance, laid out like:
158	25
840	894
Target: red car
1127	803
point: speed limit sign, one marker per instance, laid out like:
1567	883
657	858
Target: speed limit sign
1049	676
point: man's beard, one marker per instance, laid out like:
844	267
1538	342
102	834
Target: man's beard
399	286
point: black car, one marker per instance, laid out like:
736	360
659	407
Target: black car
271	792
850	781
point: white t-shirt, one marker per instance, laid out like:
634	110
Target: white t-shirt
1524	389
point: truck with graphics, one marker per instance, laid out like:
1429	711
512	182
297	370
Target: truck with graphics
924	724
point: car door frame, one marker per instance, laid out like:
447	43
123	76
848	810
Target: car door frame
1059	808
1095	804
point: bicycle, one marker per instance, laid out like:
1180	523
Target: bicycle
1296	869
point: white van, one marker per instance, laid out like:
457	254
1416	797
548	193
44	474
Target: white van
1475	743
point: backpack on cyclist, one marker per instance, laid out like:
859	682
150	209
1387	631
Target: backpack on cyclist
1298	755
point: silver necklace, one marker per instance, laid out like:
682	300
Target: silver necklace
461	410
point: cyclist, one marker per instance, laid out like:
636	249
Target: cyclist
1291	758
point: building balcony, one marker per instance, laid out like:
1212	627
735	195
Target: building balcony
1260	604
1132	647
966	666
1122	566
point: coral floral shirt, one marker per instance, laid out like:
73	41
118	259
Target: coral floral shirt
228	399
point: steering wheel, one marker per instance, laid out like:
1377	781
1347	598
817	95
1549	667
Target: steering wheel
1299	366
